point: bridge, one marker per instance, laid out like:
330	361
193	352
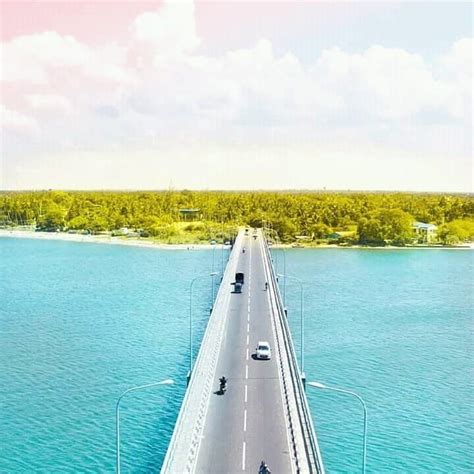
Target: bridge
264	413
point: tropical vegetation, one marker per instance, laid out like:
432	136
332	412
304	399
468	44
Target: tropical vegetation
191	216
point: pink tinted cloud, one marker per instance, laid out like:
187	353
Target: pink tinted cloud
91	22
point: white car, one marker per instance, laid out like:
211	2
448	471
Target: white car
263	350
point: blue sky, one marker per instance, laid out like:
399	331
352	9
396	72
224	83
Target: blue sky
307	28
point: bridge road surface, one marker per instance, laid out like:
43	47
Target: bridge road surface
247	424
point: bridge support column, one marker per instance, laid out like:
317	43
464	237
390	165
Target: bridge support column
303	379
188	377
286	312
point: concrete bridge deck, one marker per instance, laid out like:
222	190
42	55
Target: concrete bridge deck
264	414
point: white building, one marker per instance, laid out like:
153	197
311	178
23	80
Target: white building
425	233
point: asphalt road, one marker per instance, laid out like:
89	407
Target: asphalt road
247	424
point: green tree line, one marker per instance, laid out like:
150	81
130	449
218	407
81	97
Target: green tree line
371	217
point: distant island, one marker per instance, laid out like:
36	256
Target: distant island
301	219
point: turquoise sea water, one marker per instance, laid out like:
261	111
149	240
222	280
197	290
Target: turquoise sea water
395	326
80	323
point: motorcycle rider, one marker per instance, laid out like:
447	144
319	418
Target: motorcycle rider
223	383
263	469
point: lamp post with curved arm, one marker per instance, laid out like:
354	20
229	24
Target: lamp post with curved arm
277	239
284	279
222	247
349	392
117	414
301	318
213	274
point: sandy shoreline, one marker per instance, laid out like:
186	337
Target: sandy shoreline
102	239
137	242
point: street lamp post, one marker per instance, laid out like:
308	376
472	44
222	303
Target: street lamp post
284	279
212	274
212	290
301	318
349	392
275	254
117	415
277	239
222	248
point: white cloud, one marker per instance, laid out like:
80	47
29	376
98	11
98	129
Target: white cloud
107	65
280	86
49	103
168	31
257	87
252	86
30	58
384	83
17	122
455	69
458	62
59	61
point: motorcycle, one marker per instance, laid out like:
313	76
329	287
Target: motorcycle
222	385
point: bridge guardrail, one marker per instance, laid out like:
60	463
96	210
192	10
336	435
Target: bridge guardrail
313	459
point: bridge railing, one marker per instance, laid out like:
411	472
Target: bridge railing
298	409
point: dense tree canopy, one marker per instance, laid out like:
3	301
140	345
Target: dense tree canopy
386	225
378	217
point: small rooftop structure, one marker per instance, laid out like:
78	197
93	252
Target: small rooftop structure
190	214
423	226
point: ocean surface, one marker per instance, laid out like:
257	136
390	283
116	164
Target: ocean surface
81	323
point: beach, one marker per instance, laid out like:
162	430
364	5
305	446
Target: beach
102	239
148	243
